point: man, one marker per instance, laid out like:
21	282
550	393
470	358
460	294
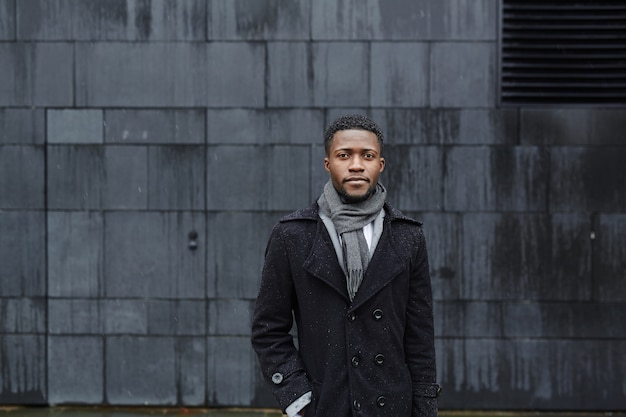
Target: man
353	271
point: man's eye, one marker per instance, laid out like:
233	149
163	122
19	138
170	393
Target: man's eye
343	155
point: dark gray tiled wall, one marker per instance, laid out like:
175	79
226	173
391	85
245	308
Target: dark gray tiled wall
609	282
549	126
22	126
264	126
148	147
75	253
105	20
148	255
122	74
36	74
399	74
76	369
259	20
145	126
23	372
23	248
539	373
587	179
7	20
141	368
21	177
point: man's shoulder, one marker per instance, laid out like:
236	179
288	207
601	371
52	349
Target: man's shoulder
395	215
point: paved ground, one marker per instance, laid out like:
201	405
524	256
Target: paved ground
132	412
245	412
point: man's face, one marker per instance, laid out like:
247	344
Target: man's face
354	164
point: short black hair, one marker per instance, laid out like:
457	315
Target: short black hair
353	121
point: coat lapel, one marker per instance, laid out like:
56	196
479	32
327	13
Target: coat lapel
322	262
384	266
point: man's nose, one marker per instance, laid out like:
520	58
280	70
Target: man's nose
356	163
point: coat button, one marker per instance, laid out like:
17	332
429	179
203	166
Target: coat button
355	361
378	314
381	401
356	405
352	316
277	378
379	359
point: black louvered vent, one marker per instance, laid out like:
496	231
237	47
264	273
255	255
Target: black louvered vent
563	52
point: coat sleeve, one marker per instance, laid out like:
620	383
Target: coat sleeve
419	337
280	361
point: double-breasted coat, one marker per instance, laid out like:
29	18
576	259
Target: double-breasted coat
373	356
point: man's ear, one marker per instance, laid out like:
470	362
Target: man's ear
326	163
382	164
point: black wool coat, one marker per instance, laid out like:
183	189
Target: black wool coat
373	356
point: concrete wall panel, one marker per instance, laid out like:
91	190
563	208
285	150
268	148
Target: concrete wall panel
530	374
443	242
23	254
36	74
147	254
75	177
290	75
558	126
473	319
495	178
230	365
76	371
610	258
170	74
24	370
23	315
176	178
230	317
413	177
463	20
564	321
256	126
417	126
370	19
22	177
76	316
399	74
74	126
259	20
462	74
127	170
235	252
177	317
140	370
100	20
340	74
257	177
496	267
22	126
145	126
125	317
587	179
75	254
7	20
191	354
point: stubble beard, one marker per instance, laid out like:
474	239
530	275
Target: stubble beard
355	199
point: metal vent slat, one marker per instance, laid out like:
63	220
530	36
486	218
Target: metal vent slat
563	52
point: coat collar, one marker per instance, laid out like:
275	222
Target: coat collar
322	262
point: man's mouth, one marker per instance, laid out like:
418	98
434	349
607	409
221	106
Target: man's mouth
356	179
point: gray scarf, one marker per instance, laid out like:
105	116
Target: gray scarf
349	220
